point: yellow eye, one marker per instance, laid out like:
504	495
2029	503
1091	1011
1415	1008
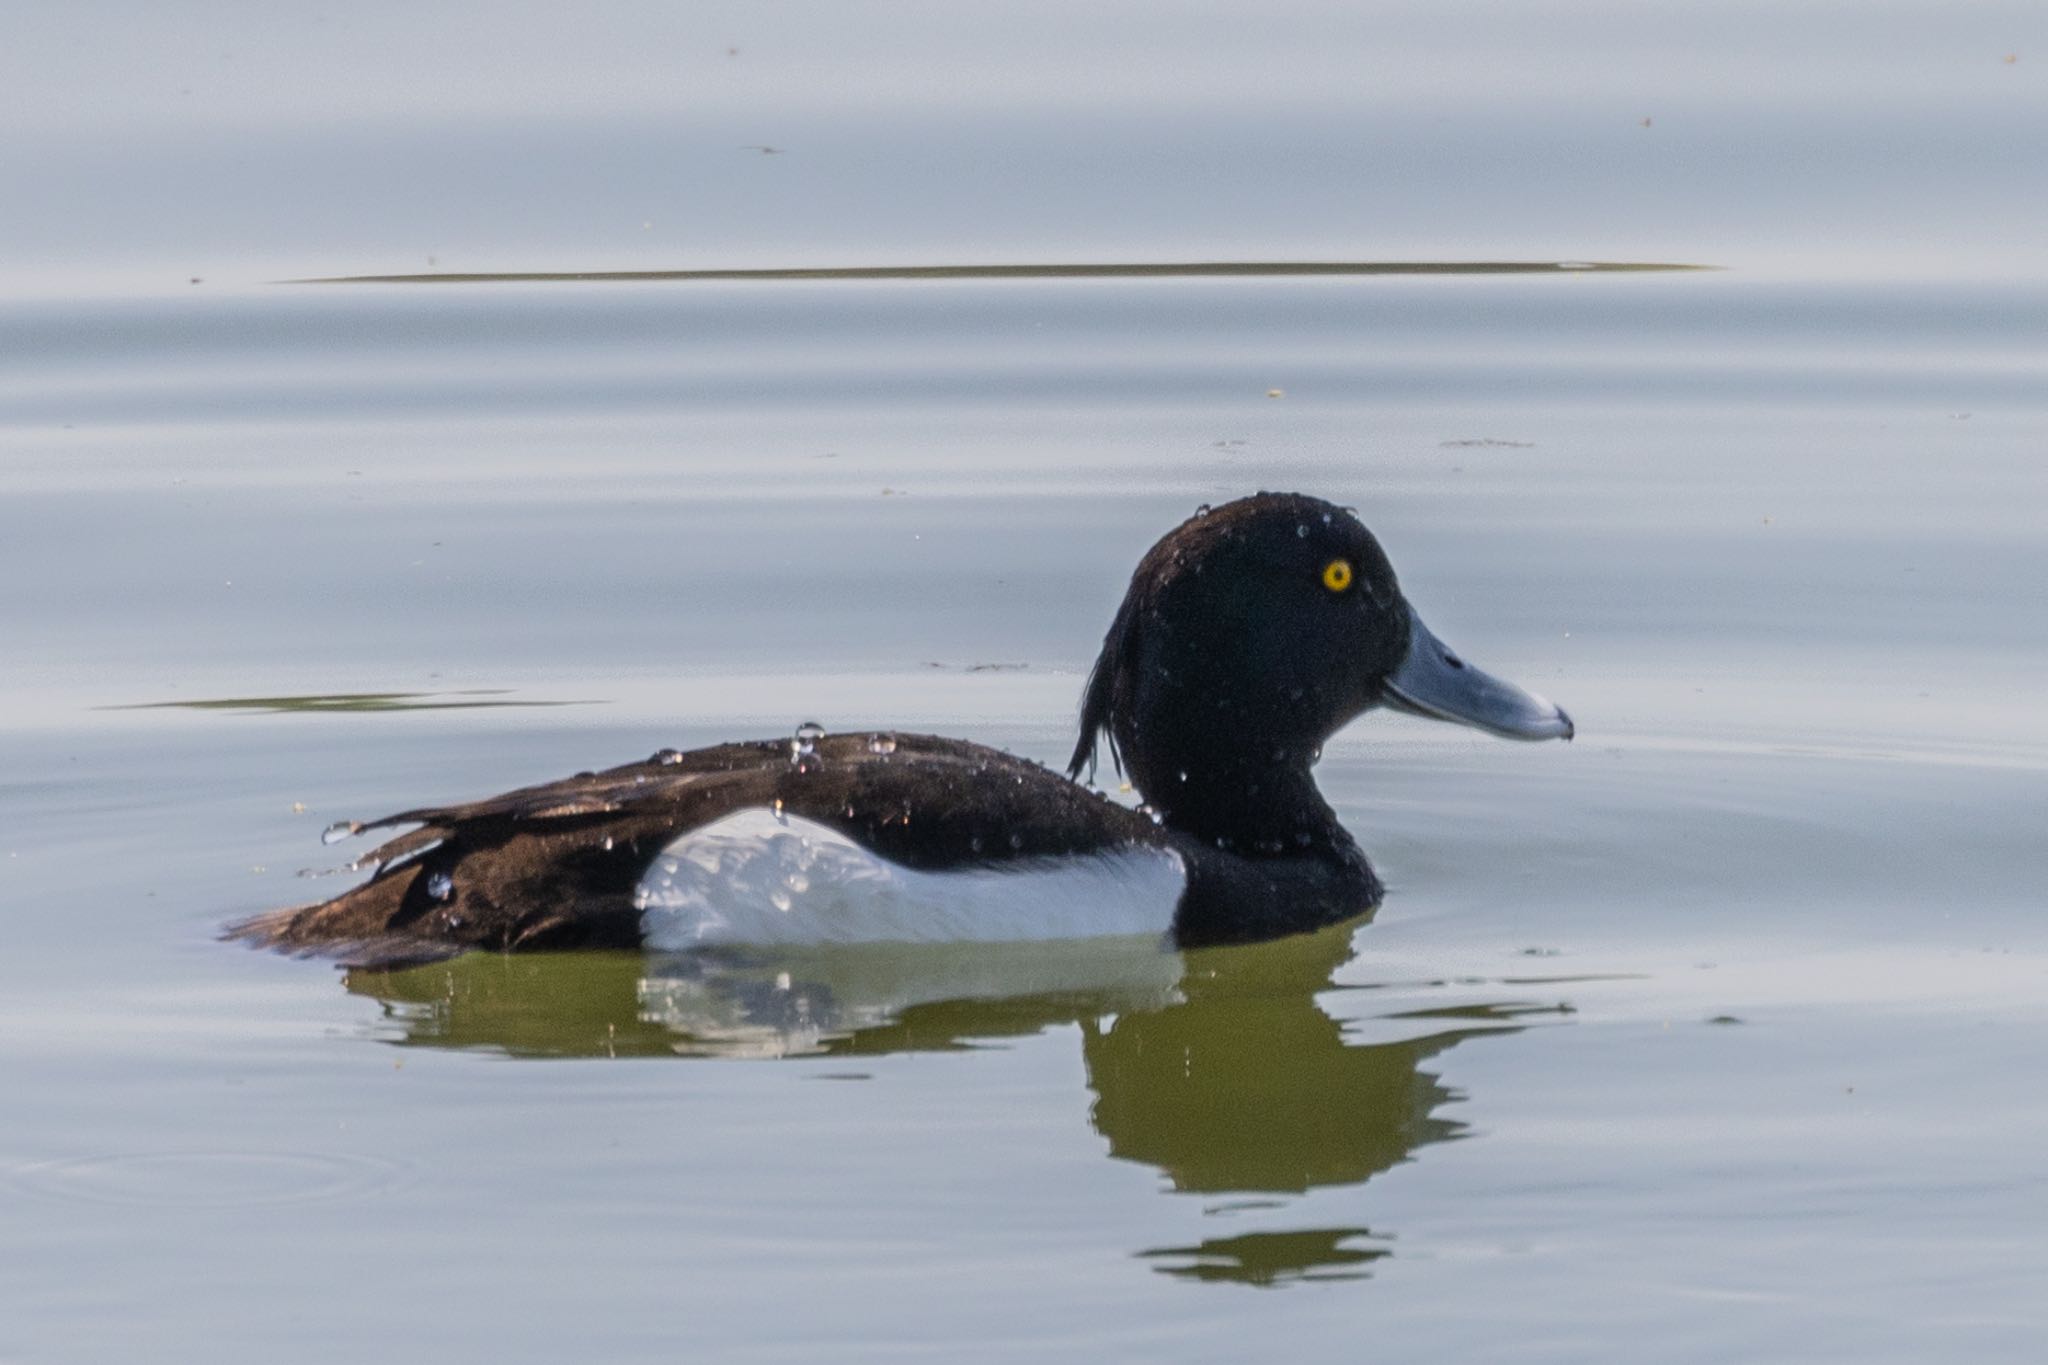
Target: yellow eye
1337	575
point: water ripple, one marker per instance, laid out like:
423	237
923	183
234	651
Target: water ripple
217	1179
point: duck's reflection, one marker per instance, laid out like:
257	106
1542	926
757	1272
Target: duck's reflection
1245	1083
1220	1068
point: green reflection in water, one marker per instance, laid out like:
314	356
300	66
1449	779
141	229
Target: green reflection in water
1132	270
1247	1084
322	703
1272	1258
1220	1069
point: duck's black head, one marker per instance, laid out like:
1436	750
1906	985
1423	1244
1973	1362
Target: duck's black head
1253	632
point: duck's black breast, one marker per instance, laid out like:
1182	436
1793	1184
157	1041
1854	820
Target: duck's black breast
560	865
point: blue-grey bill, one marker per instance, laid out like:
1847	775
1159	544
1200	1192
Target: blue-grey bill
1434	681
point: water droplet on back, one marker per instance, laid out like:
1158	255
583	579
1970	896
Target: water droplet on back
803	749
667	756
440	886
882	744
1301	531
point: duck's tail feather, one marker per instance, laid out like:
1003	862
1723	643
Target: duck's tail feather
359	928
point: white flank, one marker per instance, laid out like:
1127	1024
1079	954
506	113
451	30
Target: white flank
758	878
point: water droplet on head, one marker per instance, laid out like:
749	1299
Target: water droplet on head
1016	842
974	843
1301	531
607	843
339	830
881	744
440	886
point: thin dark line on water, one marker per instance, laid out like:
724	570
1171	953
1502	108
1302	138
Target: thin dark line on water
1076	271
350	702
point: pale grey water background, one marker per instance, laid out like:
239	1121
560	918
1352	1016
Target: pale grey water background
1714	1036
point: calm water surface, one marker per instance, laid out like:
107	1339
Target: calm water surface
1712	1035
